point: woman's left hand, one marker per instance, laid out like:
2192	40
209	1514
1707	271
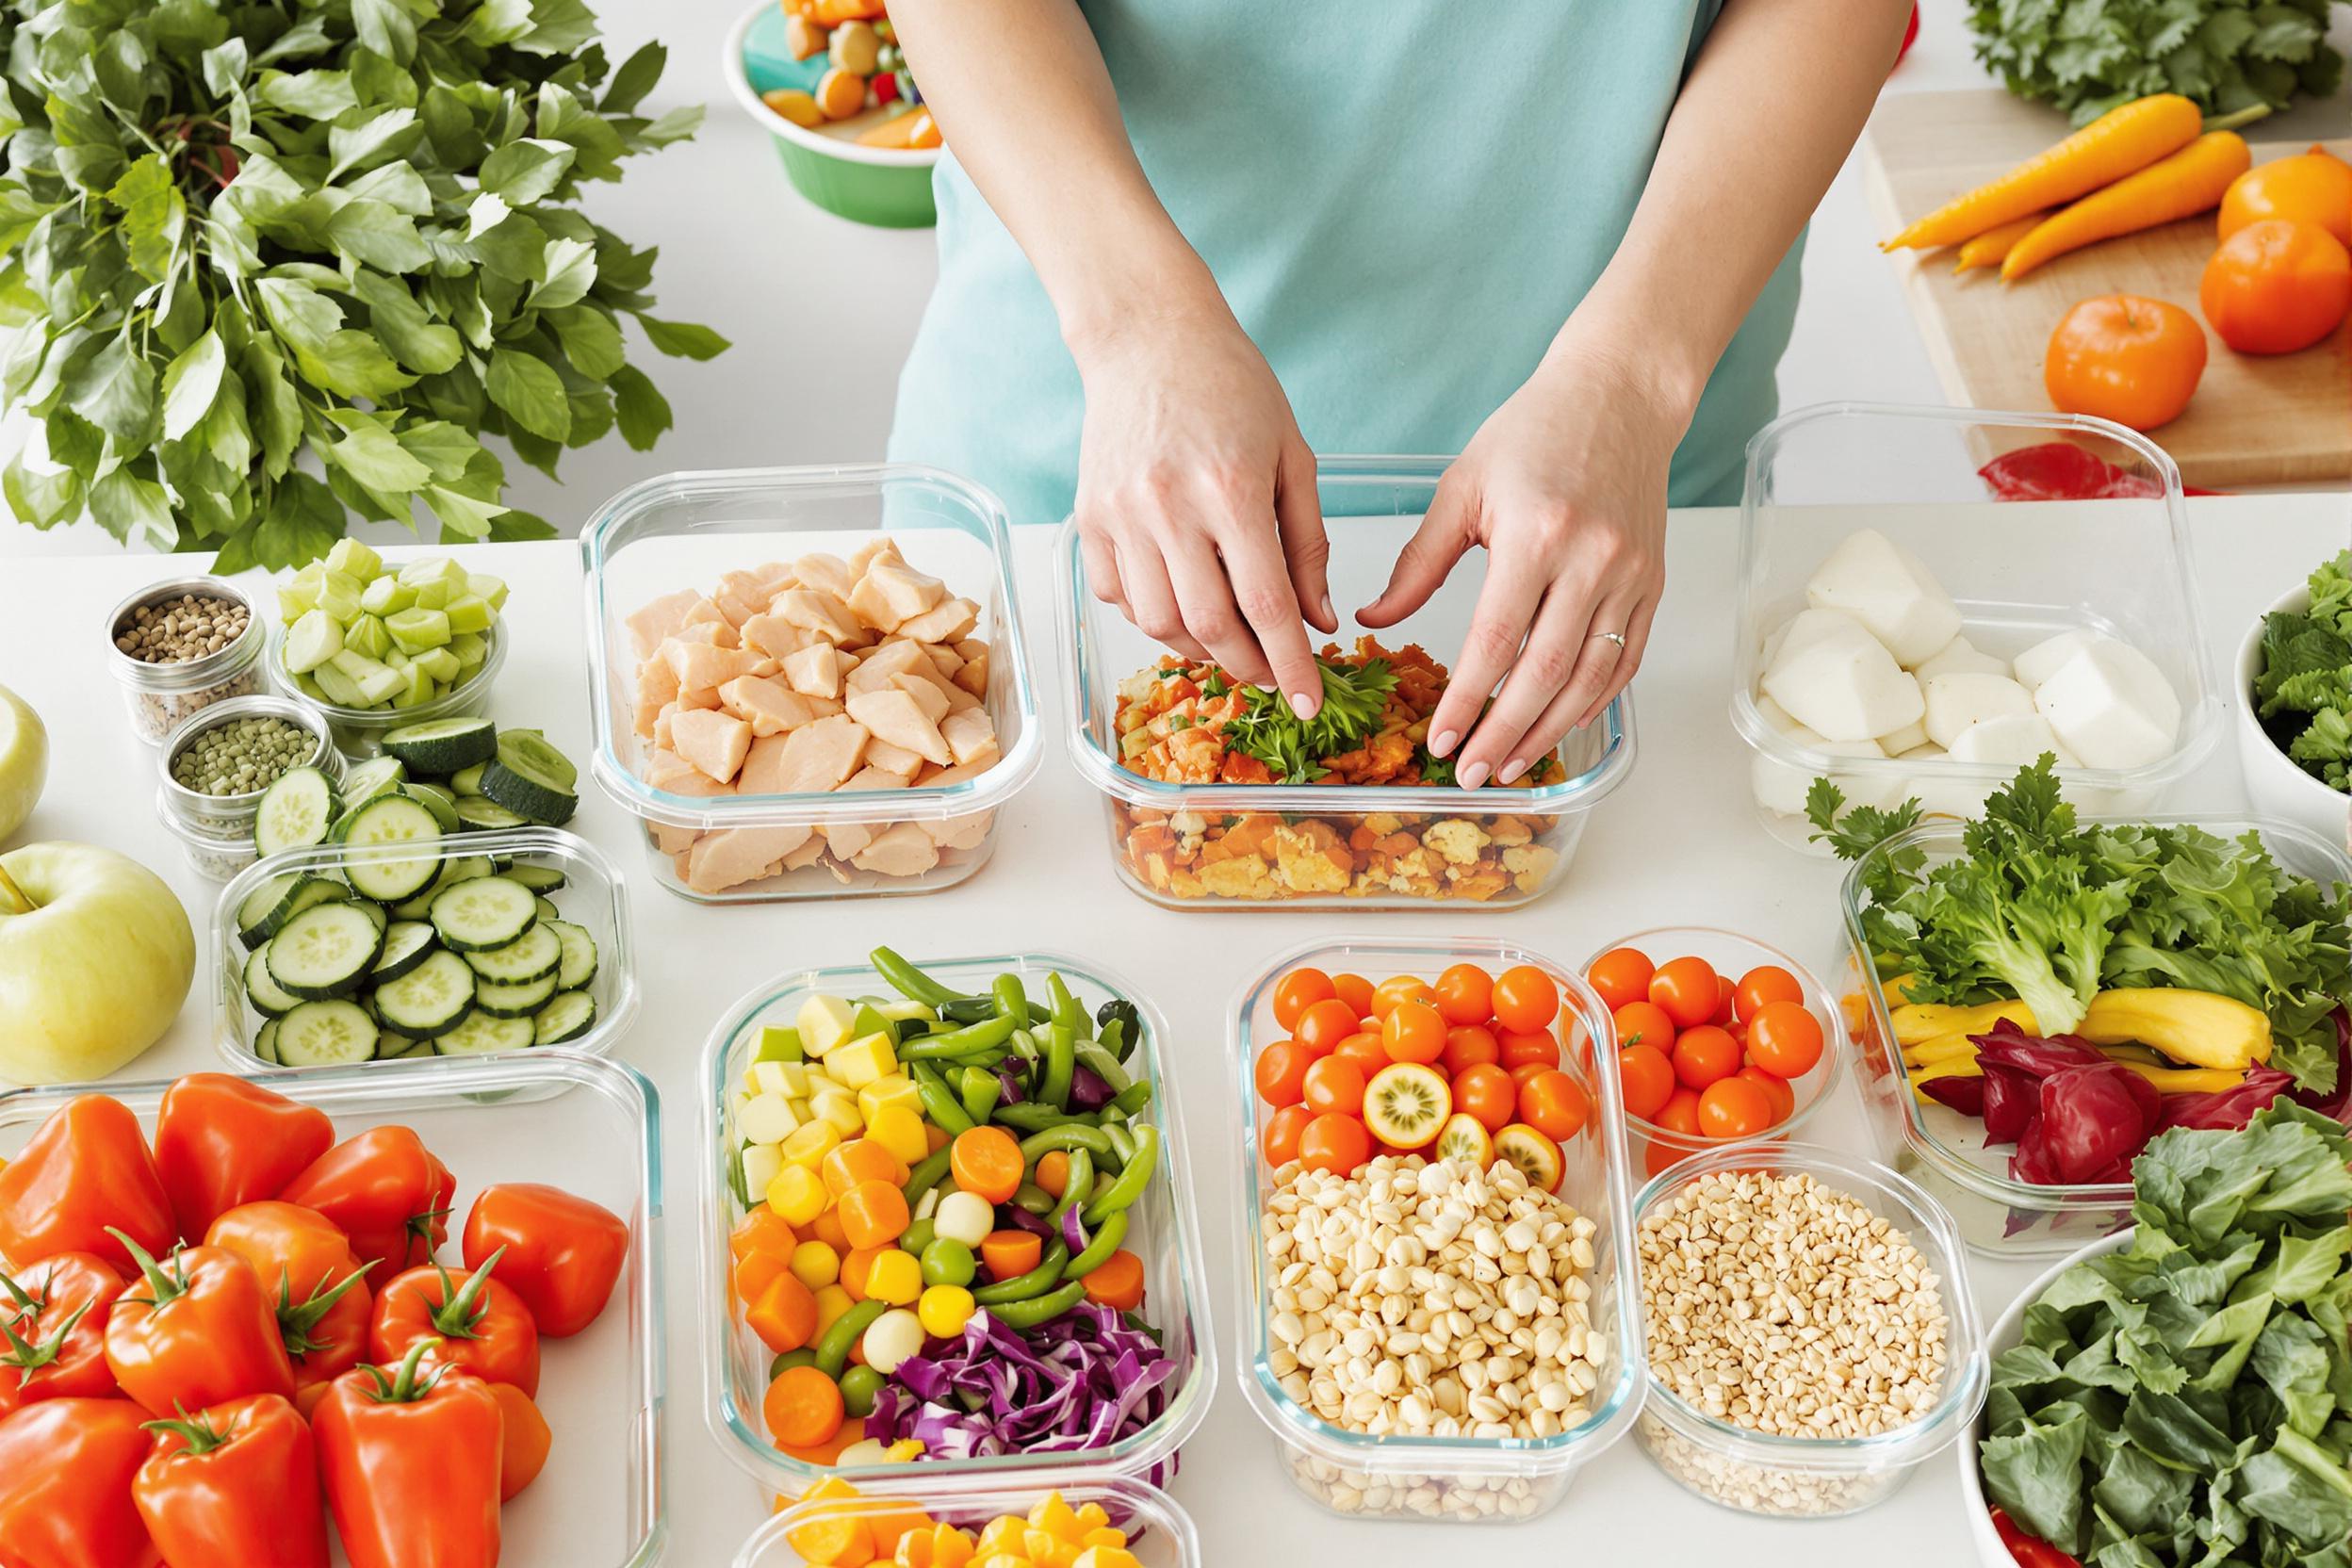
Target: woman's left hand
1565	487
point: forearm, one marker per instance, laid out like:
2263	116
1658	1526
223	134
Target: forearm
1780	92
1023	97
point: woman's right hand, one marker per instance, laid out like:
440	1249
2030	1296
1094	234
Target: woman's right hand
1196	506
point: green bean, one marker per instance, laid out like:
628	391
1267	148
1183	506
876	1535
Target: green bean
968	1009
1011	1001
1022	1287
971	1038
1032	1198
1132	1181
980	1091
1123	1141
1077	1186
1065	1007
1043	1308
1134	1097
1099	1250
928	1173
1074	1135
1061	1062
937	1104
1030	1116
911	982
833	1345
1104	1066
1113	1038
917	1236
1026	1046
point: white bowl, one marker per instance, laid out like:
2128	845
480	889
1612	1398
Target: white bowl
2003	1334
2275	786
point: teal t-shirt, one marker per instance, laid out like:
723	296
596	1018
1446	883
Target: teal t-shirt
1402	203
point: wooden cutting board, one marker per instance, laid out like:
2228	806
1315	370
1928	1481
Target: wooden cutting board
2277	420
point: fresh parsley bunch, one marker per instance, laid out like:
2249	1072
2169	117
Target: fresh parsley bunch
2304	687
1293	748
286	260
2087	57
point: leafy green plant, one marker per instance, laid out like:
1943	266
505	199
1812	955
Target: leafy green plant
2088	56
289	259
2304	691
1293	748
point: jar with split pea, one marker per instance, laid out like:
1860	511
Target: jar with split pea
178	648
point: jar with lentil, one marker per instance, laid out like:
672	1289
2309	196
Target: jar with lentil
1812	1338
216	766
181	646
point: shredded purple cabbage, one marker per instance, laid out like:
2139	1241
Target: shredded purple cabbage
1087	1090
1084	1381
1075	1229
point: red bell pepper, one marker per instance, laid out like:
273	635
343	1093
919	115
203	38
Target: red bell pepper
66	1467
2027	1550
85	1175
411	1460
234	1487
468	1320
384	1190
53	1319
325	1334
292	1248
200	1332
563	1254
223	1140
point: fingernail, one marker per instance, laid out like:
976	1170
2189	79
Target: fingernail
1302	705
1512	770
1444	743
1474	775
1328	613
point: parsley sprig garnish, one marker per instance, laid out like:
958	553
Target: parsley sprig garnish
1293	748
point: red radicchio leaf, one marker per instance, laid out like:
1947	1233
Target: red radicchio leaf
2227	1110
2093	1118
2062	471
1965	1095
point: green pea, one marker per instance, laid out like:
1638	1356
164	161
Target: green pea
789	1359
859	1386
948	1261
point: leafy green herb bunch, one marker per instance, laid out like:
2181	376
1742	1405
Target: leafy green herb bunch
2087	57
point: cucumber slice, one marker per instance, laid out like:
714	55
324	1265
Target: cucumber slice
431	1000
536	952
544	762
547	908
258	915
326	1034
295	812
269	998
439	801
568	1017
406	944
513	1001
481	1035
440	746
539	879
266	1041
393	1046
392	819
325	951
374	912
579	954
368	779
531	779
475	812
483	912
467	781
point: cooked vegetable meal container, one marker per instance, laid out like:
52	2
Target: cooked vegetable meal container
1125	1522
809	682
1217	798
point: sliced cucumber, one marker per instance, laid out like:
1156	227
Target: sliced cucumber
452	872
295	812
366	780
325	951
326	1034
531	779
437	799
579	954
513	1001
483	912
431	1000
481	1035
374	912
467	781
269	998
266	1041
440	746
537	951
393	1046
405	946
258	915
547	908
568	1017
386	820
475	812
539	879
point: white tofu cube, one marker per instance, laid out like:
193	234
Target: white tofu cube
1890	591
2040	662
1837	679
2111	705
1959	656
1909	738
1956	701
2016	738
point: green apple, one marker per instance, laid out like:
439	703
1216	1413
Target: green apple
95	958
23	760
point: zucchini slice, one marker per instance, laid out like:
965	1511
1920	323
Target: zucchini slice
536	952
438	748
269	998
325	951
483	912
365	781
326	1034
295	812
539	879
579	954
405	945
521	1000
473	812
430	1000
467	781
258	915
571	1015
386	820
437	799
266	1041
481	1035
531	779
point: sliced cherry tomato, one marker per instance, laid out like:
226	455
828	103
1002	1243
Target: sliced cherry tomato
1680	1114
1335	1084
1646	1023
1519	1049
1526	999
1621	975
1785	1039
1281	1072
1336	1144
1327	1023
1465	994
1703	1055
1488	1093
1401	988
1355	990
1294	992
1734	1108
1554	1105
1775	1089
1283	1131
1413	1032
1469	1045
1687	989
1762	984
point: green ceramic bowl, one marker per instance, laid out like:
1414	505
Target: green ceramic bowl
866	185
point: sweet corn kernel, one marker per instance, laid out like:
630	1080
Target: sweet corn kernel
895	1089
810	1143
944	1310
798	1195
895	1337
1054	1516
899	1129
896	1277
831	1302
862	1061
1091	1516
815	1264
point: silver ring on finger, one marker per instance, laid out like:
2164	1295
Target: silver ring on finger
1616	637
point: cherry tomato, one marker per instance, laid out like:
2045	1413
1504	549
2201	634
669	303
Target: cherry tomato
1734	1108
1355	990
1281	1072
1325	1023
1554	1105
1469	1045
1687	989
1680	1114
1283	1129
1703	1054
1334	1143
1488	1093
1785	1039
1647	1078
1335	1084
1723	1003
1294	992
1526	999
1519	1049
1644	1024
1658	1154
1399	989
1413	1032
1465	994
1762	984
1366	1051
1621	975
1775	1089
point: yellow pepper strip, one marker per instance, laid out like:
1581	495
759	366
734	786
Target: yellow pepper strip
2196	1027
1916	1022
2188	1080
1897	990
1940	1048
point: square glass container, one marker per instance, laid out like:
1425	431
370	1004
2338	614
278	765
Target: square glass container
685	531
1330	846
1443	1480
1160	1533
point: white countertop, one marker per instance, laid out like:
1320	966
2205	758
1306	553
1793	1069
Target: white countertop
1678	844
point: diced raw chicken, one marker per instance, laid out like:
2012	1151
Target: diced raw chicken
655	621
987	759
776	637
872	777
806	855
702	612
667	771
742	595
815	756
819	612
769	707
881	548
739	855
973	677
895	658
894	760
845	838
958	699
944	658
678	864
905	850
964	832
697	697
825	707
663	736
948	622
718	634
828	572
656	688
895	716
766	668
967	733
700	664
929	695
815	671
713	741
890	593
671	840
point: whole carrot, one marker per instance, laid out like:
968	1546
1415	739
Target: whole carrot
2193	179
2118	144
1987	249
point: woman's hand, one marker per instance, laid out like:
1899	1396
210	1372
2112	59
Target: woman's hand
1565	487
1196	505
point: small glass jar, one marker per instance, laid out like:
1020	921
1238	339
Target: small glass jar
160	697
215	832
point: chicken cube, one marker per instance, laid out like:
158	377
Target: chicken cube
890	593
947	622
905	850
776	637
738	854
768	706
895	716
825	573
973	677
700	664
665	770
697	697
656	688
987	757
969	733
814	671
806	855
714	741
872	777
929	695
815	757
896	760
718	634
895	658
654	622
881	548
821	613
944	658
742	595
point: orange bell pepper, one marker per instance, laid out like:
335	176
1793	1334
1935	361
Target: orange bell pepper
411	1464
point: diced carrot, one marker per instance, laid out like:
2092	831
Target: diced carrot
1010	1254
1054	1172
803	1407
753	1273
984	1161
785	1314
874	1214
763	1229
1118	1282
860	1160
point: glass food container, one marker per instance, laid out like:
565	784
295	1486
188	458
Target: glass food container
1164	1232
1653	1146
1927	478
590	1127
215	832
359	731
1446	1480
1944	1151
1241	847
1797	1477
685	532
160	697
1160	1533
592	897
